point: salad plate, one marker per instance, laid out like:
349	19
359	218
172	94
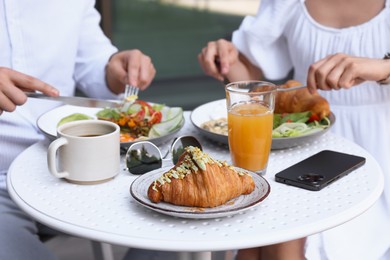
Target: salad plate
139	190
47	122
216	110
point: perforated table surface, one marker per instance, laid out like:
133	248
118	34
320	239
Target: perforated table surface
107	213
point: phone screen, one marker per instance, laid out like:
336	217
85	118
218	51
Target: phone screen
319	170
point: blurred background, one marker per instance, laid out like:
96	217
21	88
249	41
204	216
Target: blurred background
173	32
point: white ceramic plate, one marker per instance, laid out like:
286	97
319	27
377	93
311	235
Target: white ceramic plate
139	190
210	111
217	109
47	122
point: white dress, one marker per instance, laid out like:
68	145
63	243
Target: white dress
283	36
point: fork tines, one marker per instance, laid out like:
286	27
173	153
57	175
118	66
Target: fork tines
130	91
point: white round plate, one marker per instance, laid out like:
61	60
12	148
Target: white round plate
217	109
47	122
139	191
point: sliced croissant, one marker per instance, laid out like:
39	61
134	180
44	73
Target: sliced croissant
197	180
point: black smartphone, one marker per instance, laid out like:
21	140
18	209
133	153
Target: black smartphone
319	170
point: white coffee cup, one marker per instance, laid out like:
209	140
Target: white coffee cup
85	152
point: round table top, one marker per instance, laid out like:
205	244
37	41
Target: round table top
106	212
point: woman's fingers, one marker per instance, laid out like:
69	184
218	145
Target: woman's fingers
216	58
333	72
210	61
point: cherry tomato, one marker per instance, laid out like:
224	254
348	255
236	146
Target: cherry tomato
156	117
145	104
140	115
313	117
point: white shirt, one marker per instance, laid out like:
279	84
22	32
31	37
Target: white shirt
59	42
283	36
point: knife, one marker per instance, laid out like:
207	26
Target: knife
278	89
289	89
77	101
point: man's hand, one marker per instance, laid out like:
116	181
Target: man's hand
129	67
12	87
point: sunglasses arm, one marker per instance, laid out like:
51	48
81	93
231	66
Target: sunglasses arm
166	162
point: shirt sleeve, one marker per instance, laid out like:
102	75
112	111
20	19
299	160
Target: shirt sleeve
94	51
261	38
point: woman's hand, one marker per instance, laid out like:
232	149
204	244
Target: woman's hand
217	58
221	60
129	67
343	71
12	87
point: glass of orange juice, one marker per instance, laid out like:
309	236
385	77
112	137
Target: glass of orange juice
250	106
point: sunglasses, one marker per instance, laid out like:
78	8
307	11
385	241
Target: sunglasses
145	156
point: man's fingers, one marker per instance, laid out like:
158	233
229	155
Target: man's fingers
134	60
12	87
28	83
129	67
146	72
6	104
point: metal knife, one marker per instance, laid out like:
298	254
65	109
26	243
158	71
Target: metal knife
289	89
77	101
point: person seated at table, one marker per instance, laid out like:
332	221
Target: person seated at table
330	45
52	47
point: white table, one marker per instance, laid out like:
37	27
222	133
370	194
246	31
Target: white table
107	213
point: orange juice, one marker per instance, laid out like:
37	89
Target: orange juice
250	135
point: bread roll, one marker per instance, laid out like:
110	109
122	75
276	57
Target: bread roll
300	100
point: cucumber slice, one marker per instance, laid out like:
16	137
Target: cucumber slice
73	117
173	118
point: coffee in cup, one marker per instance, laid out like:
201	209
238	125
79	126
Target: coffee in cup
85	152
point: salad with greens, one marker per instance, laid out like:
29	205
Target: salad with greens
141	120
138	120
298	124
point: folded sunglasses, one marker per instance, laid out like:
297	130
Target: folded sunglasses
145	156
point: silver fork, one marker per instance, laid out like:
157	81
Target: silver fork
129	91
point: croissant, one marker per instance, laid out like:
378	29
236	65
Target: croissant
197	180
300	101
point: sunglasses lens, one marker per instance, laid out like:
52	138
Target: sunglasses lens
143	157
180	143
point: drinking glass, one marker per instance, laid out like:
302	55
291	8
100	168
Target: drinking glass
250	106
